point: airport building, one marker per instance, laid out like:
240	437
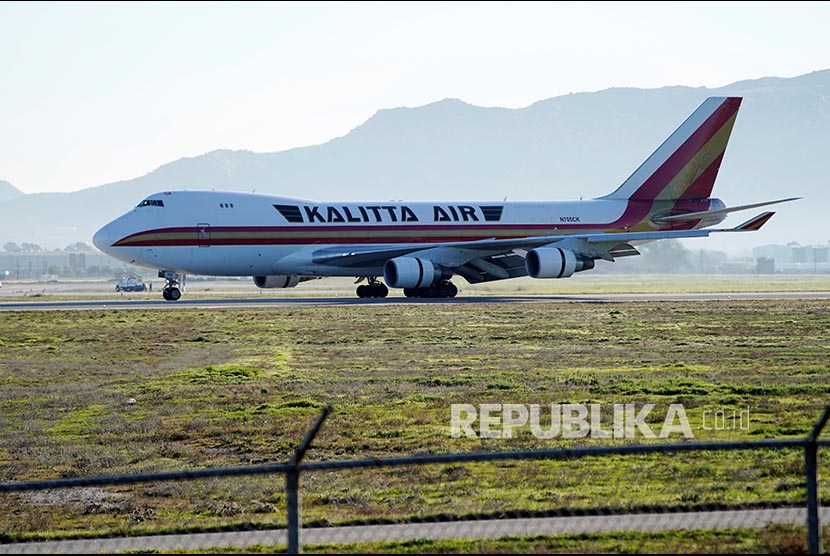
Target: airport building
792	258
48	265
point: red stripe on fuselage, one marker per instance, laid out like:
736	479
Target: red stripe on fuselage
315	240
370	228
635	212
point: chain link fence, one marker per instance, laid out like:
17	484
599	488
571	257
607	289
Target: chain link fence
760	496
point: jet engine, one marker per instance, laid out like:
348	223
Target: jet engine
553	262
409	272
268	282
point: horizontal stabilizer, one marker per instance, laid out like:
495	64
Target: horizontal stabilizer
704	213
753	224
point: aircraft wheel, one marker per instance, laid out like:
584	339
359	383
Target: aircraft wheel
361	291
171	294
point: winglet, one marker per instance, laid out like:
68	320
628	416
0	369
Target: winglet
753	224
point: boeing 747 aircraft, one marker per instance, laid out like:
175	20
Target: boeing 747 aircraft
420	246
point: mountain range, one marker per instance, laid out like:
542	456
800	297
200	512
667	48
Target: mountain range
8	191
565	147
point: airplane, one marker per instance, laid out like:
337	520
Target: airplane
420	246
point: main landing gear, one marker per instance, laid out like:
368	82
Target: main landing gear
373	289
376	288
445	288
171	291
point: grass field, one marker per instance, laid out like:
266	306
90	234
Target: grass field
237	387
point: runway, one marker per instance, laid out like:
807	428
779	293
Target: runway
322	301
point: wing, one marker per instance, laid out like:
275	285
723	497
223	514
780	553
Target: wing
496	259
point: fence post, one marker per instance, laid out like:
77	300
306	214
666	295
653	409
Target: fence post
292	487
811	465
292	484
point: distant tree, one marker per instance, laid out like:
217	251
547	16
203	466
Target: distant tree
667	255
11	247
98	270
31	247
78	246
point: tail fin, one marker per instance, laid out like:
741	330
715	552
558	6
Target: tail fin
686	164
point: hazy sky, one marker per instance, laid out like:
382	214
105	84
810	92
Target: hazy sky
92	93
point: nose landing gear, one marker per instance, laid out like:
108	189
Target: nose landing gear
171	292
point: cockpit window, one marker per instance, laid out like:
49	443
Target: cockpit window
151	203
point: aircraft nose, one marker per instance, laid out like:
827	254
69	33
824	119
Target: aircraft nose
102	239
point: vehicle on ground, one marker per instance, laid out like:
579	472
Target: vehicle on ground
130	284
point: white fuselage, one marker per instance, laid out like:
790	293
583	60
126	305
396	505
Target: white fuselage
242	234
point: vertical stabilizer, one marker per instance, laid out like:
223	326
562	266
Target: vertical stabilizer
686	164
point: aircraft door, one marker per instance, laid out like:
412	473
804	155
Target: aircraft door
203	235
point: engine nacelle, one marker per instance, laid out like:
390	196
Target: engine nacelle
267	282
553	262
409	272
